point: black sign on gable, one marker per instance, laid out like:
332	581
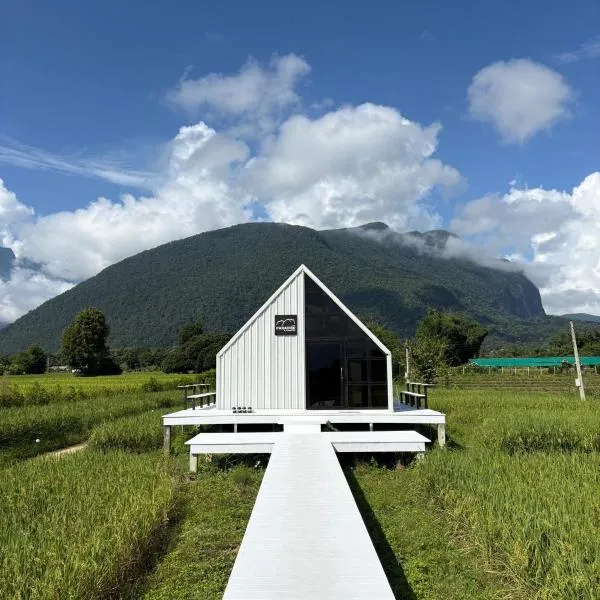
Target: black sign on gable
286	324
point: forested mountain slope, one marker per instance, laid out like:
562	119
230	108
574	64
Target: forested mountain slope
221	278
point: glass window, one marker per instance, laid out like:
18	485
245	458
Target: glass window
358	396
345	368
379	371
379	396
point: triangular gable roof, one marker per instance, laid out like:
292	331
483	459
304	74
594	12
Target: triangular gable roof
303	269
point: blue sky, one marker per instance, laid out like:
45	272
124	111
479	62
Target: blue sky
91	104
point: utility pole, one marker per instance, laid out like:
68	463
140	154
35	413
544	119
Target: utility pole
577	365
407	373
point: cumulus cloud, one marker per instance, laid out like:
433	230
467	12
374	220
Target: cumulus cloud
199	194
519	97
256	94
553	233
350	166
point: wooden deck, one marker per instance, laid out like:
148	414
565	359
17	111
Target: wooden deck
305	538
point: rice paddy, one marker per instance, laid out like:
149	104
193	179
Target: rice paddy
510	510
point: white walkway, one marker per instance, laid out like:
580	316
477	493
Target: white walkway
306	538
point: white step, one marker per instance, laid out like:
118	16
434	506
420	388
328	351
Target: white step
343	441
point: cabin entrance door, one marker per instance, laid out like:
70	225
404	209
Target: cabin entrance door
325	376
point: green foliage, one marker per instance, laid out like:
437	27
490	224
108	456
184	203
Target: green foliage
73	527
84	344
588	342
461	335
189	331
197	354
222	277
28	362
428	358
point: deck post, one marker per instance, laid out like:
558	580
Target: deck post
193	463
370	426
167	439
441	432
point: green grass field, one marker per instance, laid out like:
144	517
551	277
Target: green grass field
25	390
510	510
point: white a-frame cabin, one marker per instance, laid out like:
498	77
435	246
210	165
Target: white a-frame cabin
304	360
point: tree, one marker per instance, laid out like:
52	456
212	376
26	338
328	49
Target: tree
428	358
189	331
84	343
196	353
462	336
30	361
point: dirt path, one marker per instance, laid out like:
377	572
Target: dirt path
68	450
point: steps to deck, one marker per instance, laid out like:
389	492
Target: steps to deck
342	441
305	538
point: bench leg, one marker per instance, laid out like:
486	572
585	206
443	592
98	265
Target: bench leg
167	439
441	432
193	463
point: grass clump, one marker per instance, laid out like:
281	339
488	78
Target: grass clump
76	527
138	433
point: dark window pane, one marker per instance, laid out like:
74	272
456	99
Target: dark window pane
324	382
357	371
375	352
379	396
378	371
358	396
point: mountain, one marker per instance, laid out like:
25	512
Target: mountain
222	277
7	258
582	317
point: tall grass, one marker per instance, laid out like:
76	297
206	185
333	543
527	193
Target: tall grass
532	517
138	433
75	527
201	556
516	498
31	430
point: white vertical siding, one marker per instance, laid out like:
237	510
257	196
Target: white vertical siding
260	369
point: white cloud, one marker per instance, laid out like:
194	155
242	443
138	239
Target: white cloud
519	97
553	233
199	194
587	50
256	93
17	154
25	290
350	166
